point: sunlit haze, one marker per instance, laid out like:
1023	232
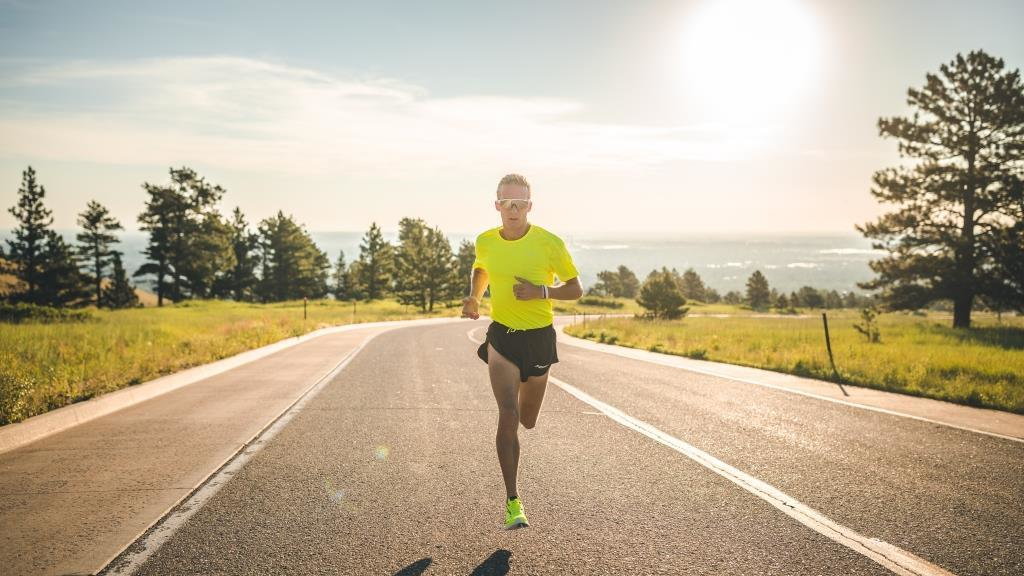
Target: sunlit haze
675	118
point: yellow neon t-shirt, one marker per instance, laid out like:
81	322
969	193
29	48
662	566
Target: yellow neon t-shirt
538	256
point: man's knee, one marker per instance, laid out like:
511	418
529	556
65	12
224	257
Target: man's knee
508	418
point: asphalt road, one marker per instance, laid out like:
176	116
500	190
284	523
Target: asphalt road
391	469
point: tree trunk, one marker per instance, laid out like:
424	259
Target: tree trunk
963	299
962	309
99	277
160	285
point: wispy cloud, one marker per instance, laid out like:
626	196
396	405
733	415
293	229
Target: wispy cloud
256	115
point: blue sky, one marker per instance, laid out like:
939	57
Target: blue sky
669	117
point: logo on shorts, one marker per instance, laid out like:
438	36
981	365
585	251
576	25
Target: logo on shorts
541	365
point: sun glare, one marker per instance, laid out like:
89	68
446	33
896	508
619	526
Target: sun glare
748	62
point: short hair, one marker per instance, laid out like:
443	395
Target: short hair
516	179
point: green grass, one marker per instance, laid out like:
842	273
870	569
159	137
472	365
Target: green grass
918	355
44	366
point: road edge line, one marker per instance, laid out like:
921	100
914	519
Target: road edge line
161	529
887	555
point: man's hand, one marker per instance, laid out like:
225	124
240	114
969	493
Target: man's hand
525	290
470	308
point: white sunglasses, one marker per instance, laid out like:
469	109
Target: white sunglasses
517	203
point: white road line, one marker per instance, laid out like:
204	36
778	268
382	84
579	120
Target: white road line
891	557
625	353
153	539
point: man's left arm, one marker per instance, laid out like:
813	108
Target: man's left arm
571	290
526	290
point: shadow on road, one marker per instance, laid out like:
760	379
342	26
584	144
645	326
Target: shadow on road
416	568
495	565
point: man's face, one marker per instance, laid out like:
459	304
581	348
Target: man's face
513	203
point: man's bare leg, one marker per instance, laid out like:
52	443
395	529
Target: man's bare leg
505	385
531	396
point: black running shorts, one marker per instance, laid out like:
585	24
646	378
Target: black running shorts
532	350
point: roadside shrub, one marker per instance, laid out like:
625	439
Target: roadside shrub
868	325
602	302
22	312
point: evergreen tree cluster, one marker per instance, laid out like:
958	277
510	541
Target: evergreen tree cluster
664	293
620	283
193	251
47	268
421	269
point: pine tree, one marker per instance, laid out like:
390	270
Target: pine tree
692	286
781	302
444	283
27	257
466	256
163	218
376	264
39	257
292	265
833	300
207	256
94	242
732	297
411	275
758	292
119	293
425	268
240	282
61	282
661	296
340	287
189	242
849	300
356	290
713	296
809	297
960	194
629	285
608	283
211	262
794	299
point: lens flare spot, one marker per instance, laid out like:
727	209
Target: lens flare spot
334	494
381	452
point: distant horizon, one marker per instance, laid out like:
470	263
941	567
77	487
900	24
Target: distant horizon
826	261
636	235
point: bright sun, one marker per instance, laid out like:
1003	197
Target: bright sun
749	61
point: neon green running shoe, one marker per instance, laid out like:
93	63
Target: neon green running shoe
514	514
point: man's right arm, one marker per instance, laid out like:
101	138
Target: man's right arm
471	303
478	284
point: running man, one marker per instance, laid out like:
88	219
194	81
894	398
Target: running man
519	260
